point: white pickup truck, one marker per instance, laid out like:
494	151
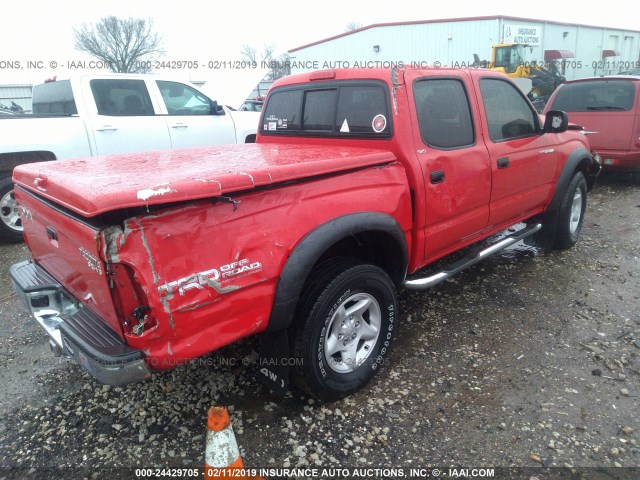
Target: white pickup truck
107	114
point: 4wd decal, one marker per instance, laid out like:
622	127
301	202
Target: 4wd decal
212	278
92	261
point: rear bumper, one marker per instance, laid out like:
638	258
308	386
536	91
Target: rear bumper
75	331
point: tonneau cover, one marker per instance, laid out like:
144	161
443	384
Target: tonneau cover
96	185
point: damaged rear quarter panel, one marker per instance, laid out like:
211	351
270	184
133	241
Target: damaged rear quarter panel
210	271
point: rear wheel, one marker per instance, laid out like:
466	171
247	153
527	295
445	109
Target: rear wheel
347	316
10	221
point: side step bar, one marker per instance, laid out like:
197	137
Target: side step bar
451	270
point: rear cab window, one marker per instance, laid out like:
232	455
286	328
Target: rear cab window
596	95
55	98
352	109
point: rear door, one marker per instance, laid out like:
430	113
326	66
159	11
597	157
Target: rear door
523	159
191	118
454	160
124	116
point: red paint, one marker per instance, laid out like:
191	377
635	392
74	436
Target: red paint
615	133
93	186
557	54
207	269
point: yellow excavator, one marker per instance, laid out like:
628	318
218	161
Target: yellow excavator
536	80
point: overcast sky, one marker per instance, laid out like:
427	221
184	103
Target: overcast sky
200	30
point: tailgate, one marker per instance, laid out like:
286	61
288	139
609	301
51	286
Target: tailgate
67	248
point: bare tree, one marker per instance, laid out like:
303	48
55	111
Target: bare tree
278	67
282	67
351	26
250	53
127	45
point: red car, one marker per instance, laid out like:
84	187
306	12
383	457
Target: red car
607	107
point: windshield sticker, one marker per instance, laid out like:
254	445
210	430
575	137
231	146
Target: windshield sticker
272	125
379	123
282	123
345	126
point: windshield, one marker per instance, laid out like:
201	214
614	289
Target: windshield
509	57
597	95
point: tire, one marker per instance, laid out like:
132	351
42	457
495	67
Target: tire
10	222
347	315
571	212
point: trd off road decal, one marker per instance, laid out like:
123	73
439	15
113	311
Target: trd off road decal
214	278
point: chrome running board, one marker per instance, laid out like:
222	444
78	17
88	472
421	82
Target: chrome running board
451	270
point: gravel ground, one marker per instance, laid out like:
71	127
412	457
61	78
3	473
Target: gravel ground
525	360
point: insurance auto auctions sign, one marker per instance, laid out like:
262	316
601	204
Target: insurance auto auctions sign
522	34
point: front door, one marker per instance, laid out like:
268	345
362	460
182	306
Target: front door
192	119
523	159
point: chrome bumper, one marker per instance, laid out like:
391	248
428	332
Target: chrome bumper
75	331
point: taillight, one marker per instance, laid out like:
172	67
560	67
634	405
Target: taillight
134	313
611	161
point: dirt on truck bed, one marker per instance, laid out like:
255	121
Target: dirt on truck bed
527	360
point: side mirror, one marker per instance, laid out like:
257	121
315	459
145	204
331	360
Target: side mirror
216	109
556	121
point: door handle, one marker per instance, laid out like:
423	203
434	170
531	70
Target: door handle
503	162
179	125
437	176
107	128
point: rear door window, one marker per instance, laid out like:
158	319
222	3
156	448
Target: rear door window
443	112
121	97
594	96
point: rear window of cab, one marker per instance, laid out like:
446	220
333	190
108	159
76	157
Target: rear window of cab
595	96
346	109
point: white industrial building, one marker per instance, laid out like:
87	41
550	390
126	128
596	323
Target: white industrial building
582	50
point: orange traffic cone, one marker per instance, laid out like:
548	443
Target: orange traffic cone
221	454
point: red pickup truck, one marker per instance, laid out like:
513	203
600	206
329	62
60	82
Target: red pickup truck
359	178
